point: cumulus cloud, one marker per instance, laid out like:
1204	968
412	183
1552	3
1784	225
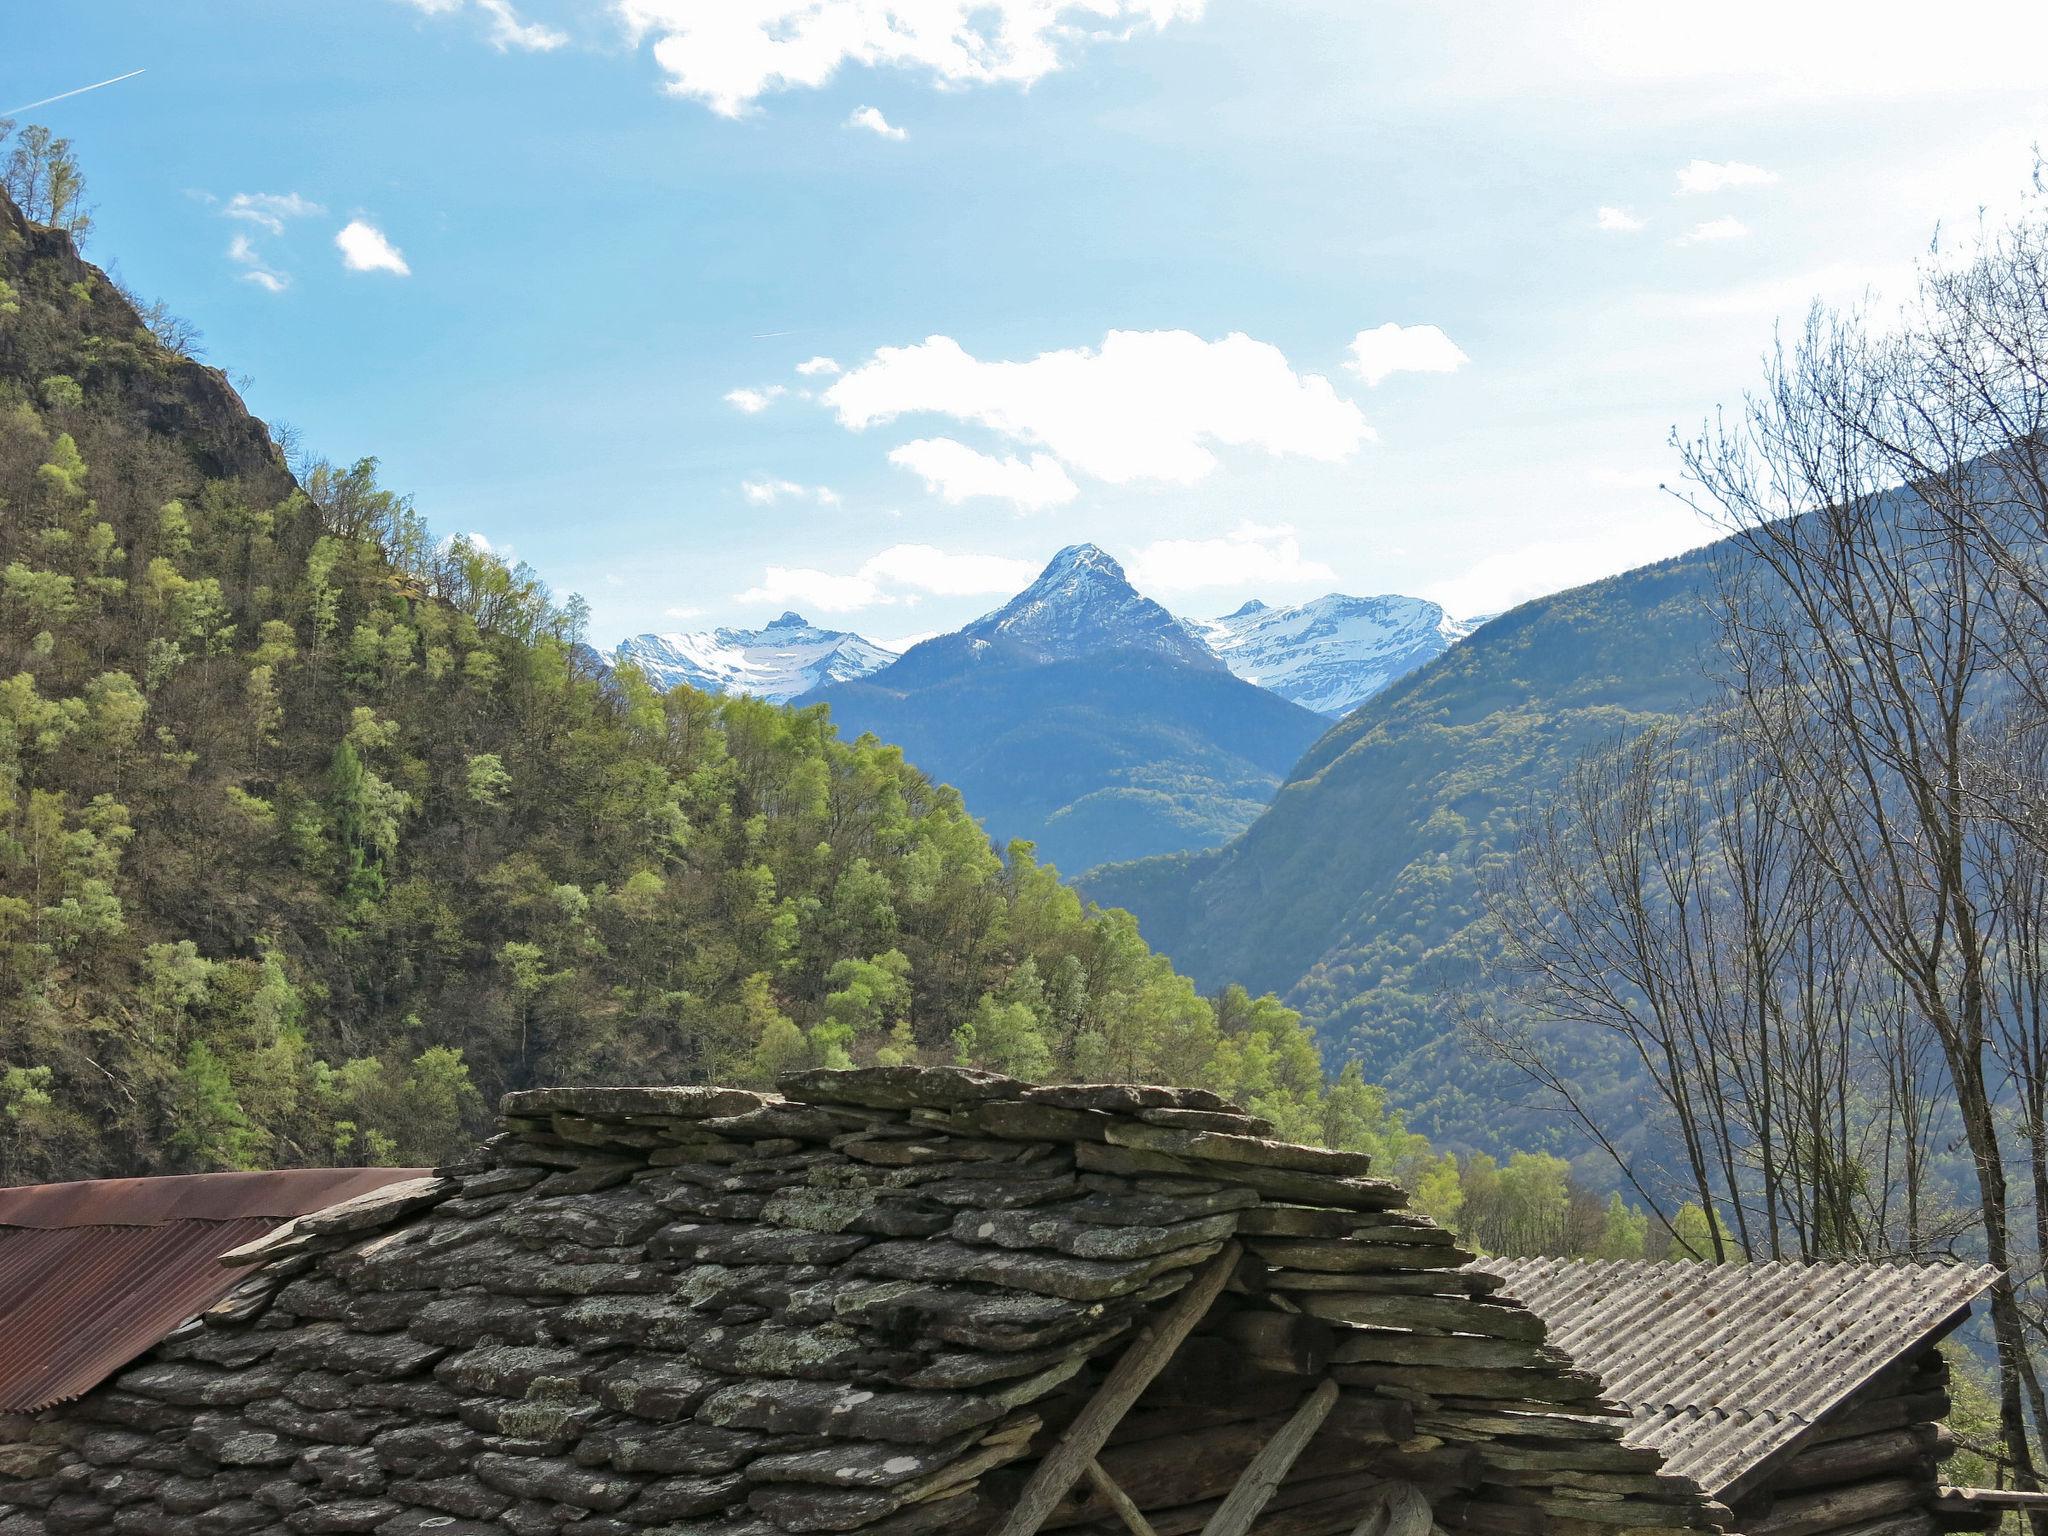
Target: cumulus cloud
754	401
766	493
269	210
1403	349
508	29
812	367
1725	228
1618	221
1718	176
364	248
728	55
959	473
900	574
1145	405
1249	555
871	119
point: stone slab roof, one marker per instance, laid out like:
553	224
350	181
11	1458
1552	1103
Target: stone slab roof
873	1303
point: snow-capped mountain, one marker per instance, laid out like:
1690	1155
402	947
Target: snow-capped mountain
1334	653
1082	604
789	657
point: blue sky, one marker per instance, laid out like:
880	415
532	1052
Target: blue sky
1268	299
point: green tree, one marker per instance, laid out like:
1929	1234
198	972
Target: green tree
41	174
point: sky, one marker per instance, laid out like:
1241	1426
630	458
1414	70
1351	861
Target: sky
708	309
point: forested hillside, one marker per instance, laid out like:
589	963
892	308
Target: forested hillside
313	839
1357	894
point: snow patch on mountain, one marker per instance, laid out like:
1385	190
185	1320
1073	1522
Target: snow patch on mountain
1082	604
1334	653
789	657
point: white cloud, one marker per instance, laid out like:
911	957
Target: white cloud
1145	405
476	541
243	252
681	613
1719	176
959	473
1726	227
812	591
364	248
1512	576
921	568
1842	285
871	119
1618	221
900	574
269	209
1249	555
1403	349
810	368
728	54
754	401
508	28
765	493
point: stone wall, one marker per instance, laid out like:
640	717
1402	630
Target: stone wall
867	1305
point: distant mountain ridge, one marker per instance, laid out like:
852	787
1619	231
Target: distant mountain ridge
1329	654
1333	653
777	662
1085	717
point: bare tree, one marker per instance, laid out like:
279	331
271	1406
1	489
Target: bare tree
1878	610
1664	898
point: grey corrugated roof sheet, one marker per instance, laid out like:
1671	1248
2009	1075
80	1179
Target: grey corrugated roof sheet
1723	1365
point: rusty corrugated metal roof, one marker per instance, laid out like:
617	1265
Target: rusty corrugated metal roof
1722	1366
94	1273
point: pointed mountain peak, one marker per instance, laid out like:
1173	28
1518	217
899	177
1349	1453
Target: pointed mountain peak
1082	604
1250	608
790	619
1082	557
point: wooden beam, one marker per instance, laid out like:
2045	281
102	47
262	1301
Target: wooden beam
1396	1509
1241	1506
1118	1500
1066	1463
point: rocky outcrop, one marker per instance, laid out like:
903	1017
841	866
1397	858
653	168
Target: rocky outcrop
869	1304
57	295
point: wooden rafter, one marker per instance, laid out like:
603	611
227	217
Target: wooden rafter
1261	1480
1397	1508
1071	1456
1126	1508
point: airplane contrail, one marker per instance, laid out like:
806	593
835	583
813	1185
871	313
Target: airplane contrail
61	95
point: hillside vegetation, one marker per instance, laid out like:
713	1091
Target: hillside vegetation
313	839
1356	895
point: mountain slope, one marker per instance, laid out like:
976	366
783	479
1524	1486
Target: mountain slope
785	658
314	838
1085	718
1331	654
1355	893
